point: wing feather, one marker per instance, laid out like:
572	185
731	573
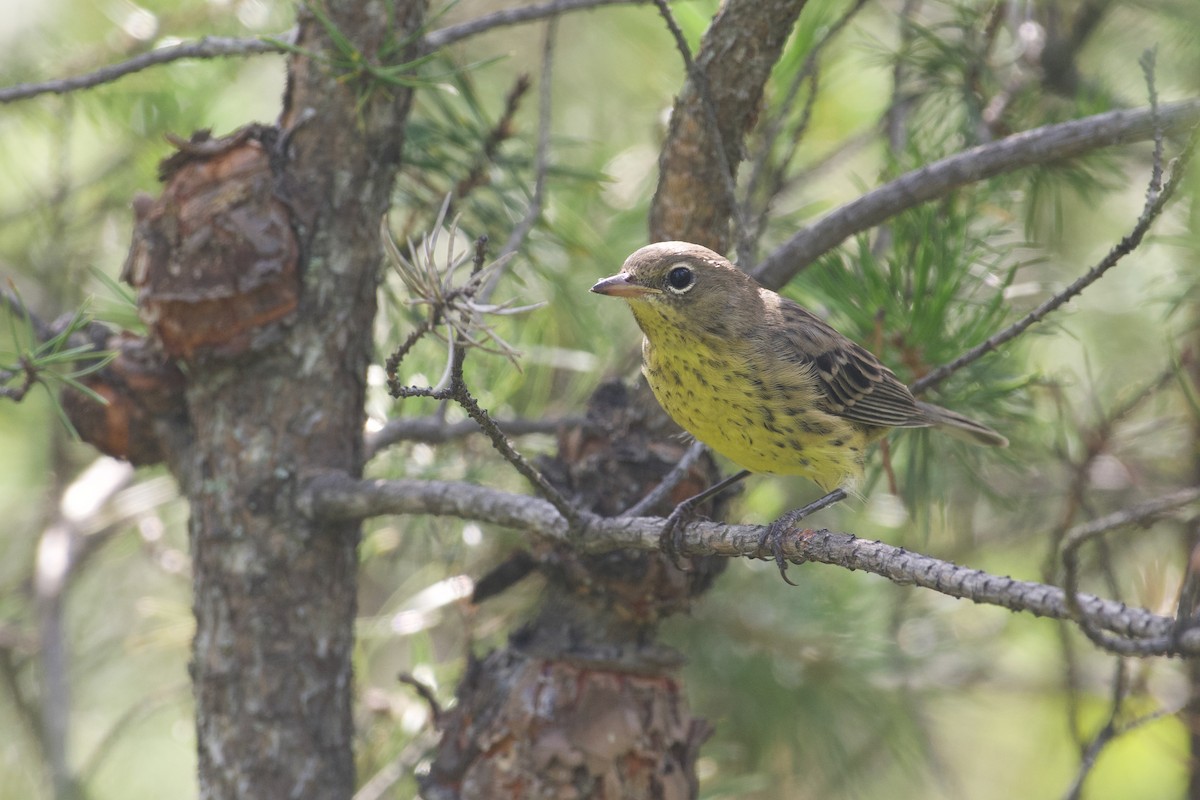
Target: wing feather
856	385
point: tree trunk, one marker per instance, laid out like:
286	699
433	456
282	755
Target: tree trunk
583	702
257	268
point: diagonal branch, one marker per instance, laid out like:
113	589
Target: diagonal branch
1156	200
460	339
1043	145
668	482
338	496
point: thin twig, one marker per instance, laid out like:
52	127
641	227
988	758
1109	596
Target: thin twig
1147	63
1169	374
392	365
513	16
1081	534
502	444
1106	733
30	379
700	80
425	691
207	47
1156	202
809	73
222	47
541	159
477	175
458	391
453	304
669	481
1127	517
1110	731
1096	439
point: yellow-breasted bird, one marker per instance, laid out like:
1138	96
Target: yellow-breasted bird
760	379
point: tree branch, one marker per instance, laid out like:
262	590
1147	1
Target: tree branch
337	496
1086	532
208	47
668	482
1157	196
514	16
454	386
224	47
1038	146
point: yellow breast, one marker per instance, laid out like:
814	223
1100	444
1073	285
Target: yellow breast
760	412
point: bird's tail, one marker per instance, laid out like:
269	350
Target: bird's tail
964	428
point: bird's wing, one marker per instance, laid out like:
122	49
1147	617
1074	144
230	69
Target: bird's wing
854	382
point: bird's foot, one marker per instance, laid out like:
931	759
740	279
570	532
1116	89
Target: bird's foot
670	539
780	528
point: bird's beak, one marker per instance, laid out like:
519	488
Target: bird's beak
620	286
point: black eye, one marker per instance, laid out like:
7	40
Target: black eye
680	279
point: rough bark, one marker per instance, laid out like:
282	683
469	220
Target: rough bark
258	269
698	164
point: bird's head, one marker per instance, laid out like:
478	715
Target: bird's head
683	284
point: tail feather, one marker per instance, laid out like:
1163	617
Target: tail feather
961	426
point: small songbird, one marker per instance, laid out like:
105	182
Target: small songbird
759	378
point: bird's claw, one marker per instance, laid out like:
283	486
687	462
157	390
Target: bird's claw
670	539
773	536
781	527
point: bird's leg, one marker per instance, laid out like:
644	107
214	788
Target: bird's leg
670	540
779	528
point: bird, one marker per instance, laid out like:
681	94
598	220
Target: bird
762	380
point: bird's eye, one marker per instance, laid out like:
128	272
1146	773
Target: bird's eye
680	279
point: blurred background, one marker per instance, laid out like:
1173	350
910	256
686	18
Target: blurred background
848	686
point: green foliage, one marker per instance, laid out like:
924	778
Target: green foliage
474	150
918	304
846	687
371	75
50	359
